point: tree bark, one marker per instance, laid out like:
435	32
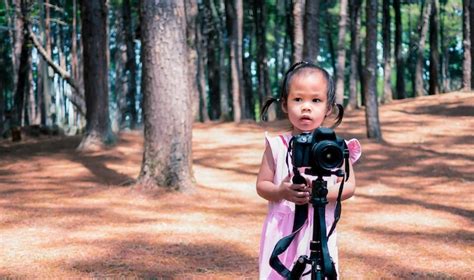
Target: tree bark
213	66
74	63
201	39
331	48
445	80
311	30
371	105
466	66
434	49
260	20
423	28
471	33
399	58
24	64
298	30
355	52
387	52
18	38
130	64
94	41
235	21
167	158
191	10
120	84
341	53
223	68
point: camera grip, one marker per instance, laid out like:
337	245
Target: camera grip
298	179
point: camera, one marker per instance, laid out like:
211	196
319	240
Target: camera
320	150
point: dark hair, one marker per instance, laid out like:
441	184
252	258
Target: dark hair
294	70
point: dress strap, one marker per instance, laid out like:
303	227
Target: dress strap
284	140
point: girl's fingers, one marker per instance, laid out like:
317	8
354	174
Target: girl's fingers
298	187
301	198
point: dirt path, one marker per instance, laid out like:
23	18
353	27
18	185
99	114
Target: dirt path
64	214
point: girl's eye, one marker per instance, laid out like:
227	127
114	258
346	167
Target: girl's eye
316	100
297	99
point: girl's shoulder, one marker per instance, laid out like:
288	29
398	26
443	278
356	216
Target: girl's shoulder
278	143
278	139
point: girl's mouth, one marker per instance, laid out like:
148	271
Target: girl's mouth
305	119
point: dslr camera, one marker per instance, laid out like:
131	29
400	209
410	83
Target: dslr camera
322	151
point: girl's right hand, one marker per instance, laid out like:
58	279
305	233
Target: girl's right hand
297	193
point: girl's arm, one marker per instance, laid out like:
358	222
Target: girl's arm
298	194
349	186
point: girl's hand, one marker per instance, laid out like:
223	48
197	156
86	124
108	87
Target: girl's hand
297	193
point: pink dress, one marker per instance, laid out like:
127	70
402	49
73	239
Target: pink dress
279	220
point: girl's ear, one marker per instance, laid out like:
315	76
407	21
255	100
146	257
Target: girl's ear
329	112
284	106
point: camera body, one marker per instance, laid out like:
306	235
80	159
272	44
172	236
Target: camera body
322	151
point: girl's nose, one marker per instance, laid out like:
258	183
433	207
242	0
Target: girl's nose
305	107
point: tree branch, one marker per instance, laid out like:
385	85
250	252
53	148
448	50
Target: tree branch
76	99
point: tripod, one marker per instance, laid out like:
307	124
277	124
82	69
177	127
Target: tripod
321	263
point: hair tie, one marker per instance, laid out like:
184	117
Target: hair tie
277	99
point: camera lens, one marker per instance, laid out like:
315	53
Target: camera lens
328	155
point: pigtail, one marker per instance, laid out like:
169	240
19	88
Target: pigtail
265	107
339	116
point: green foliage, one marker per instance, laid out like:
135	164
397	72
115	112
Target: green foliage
277	36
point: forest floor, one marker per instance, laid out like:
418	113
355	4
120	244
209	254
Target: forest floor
69	214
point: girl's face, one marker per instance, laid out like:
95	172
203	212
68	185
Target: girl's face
307	104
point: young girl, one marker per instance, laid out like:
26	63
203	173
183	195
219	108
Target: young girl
307	96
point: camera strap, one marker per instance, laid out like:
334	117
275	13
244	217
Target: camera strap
338	209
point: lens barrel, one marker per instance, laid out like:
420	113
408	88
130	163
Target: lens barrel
327	155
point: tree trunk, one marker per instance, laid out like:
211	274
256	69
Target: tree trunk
24	64
191	10
341	53
213	57
120	84
223	72
471	28
400	60
130	65
2	100
298	30
331	48
260	19
247	76
31	114
466	65
235	20
311	30
445	77
167	157
423	28
46	89
201	38
361	71
371	105
11	34
387	55
74	63
17	39
94	41
434	49
354	9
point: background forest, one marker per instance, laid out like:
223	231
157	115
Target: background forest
175	87
238	53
